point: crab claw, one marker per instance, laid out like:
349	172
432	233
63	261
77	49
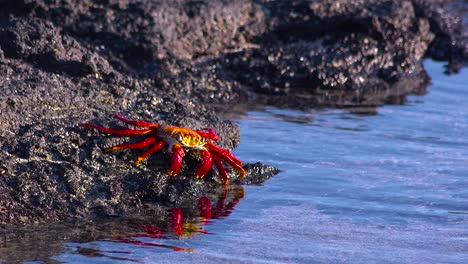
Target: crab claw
205	164
176	160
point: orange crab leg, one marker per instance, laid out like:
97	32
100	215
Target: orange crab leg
205	164
137	123
211	134
221	170
176	160
141	144
119	132
156	147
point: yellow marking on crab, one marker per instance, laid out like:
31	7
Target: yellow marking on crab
191	141
185	136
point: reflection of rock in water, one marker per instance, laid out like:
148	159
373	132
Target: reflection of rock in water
360	98
144	227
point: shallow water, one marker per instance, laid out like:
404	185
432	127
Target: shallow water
389	187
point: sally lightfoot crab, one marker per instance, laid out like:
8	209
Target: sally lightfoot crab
178	140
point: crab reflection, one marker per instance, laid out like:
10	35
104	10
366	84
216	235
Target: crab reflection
182	223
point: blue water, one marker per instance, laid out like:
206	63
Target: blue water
390	187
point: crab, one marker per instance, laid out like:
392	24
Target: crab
178	140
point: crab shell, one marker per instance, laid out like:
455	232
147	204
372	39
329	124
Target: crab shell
178	140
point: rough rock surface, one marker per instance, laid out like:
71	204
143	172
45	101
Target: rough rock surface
66	62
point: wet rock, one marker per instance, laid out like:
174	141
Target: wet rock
63	63
367	48
258	173
450	41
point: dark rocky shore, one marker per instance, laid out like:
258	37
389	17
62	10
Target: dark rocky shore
66	62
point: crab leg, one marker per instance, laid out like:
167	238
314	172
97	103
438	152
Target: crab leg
235	166
223	152
119	132
176	160
227	156
205	164
141	144
211	134
137	123
221	170
156	147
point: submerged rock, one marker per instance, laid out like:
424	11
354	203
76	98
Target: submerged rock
182	62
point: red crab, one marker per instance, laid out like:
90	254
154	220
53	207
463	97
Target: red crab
179	140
